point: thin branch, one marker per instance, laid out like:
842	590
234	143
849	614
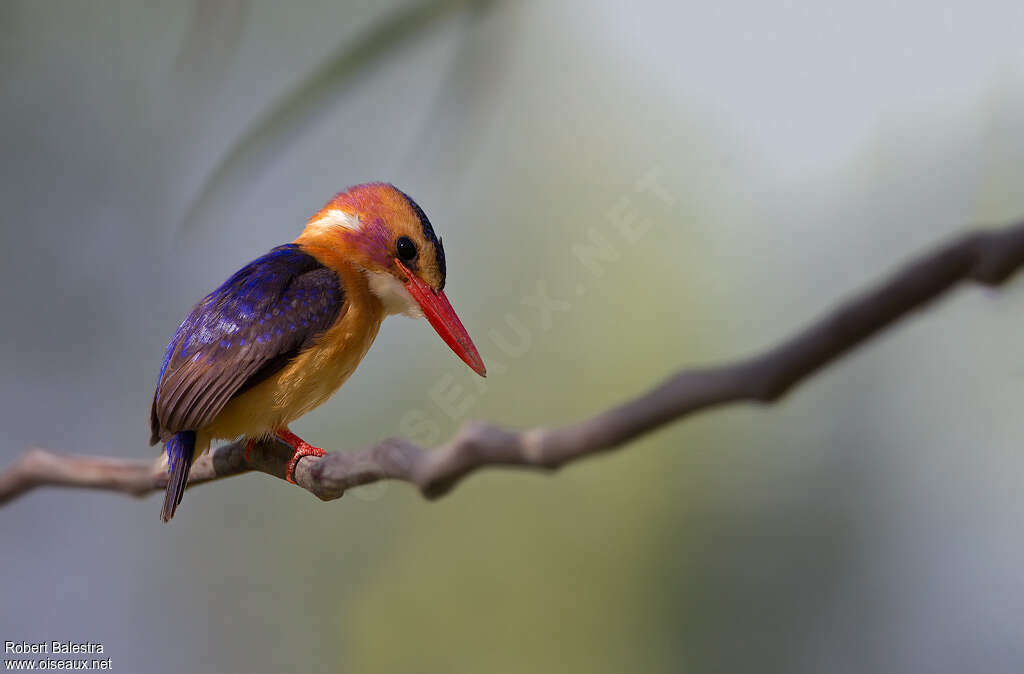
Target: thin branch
984	257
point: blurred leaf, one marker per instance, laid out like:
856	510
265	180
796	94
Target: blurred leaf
271	134
467	87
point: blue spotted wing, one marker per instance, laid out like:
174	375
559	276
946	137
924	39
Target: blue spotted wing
240	334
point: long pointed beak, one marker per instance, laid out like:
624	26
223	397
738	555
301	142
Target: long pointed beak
439	312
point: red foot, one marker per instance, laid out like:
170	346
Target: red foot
301	447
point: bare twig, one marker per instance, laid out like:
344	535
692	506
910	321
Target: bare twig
984	257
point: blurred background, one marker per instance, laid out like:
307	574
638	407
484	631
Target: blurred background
690	182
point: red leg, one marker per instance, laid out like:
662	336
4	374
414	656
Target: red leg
301	447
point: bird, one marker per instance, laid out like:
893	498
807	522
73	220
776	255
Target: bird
284	332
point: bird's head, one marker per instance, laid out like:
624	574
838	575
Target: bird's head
380	230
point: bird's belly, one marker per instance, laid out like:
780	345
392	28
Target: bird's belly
300	386
266	407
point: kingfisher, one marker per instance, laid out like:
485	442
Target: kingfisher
281	335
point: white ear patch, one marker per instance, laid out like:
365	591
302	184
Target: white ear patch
334	218
393	295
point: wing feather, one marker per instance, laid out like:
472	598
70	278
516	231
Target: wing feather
240	334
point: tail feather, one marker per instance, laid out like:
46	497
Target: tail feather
180	449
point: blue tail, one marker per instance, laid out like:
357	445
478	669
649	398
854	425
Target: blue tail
180	449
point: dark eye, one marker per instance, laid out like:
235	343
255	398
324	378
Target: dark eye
406	248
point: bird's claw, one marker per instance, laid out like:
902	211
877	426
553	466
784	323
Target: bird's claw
304	449
301	449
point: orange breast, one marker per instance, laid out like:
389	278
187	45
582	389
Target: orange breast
313	376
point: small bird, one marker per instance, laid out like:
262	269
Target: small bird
286	330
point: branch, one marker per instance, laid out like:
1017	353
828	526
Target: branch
984	257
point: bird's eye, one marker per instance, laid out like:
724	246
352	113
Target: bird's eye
406	248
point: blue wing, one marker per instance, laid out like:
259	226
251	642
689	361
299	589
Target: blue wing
241	333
